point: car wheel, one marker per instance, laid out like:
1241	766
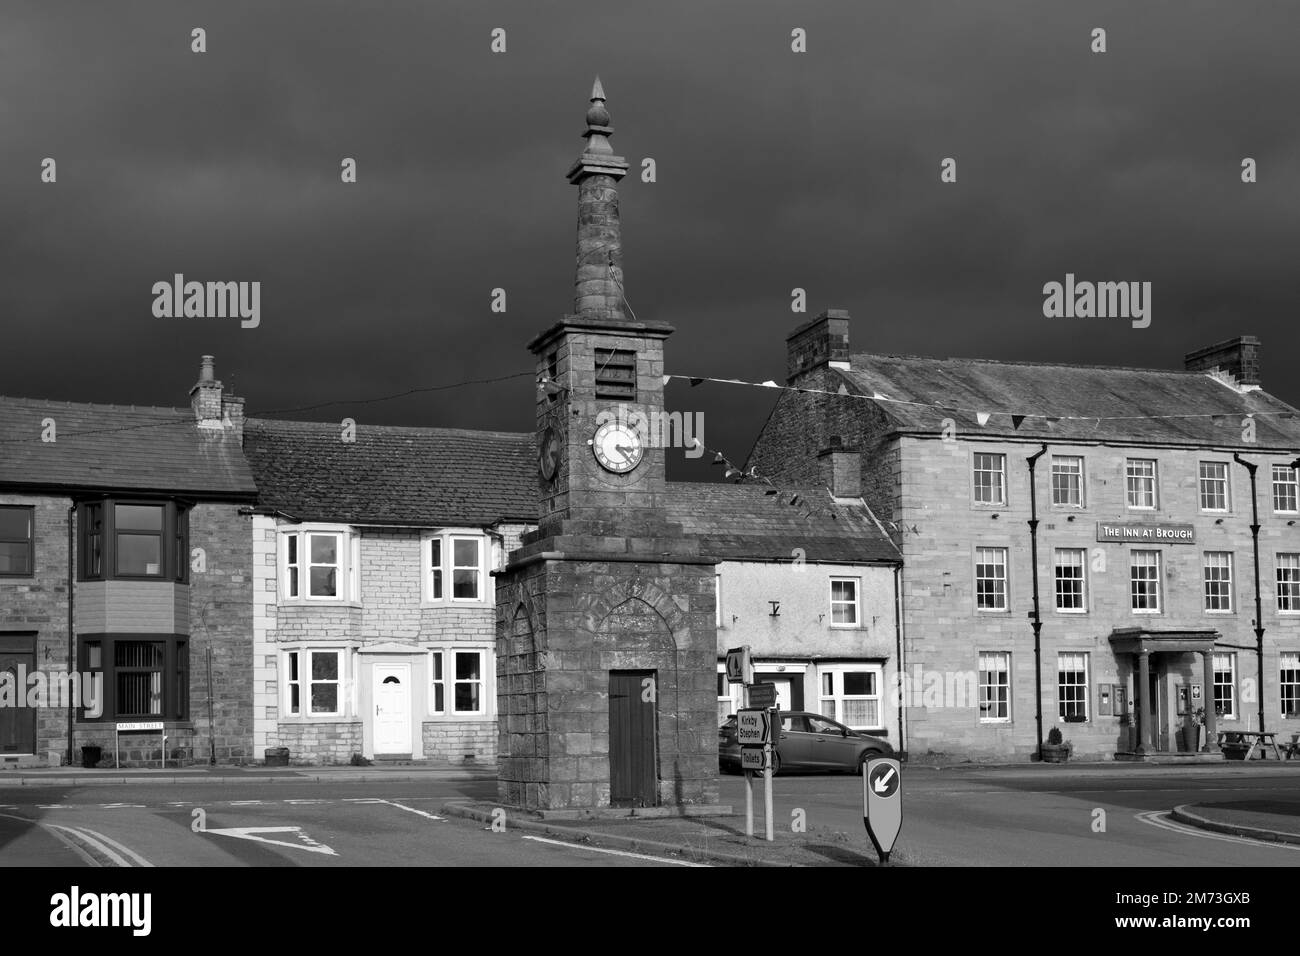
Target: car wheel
867	755
776	763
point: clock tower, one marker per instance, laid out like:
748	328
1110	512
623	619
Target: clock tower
606	638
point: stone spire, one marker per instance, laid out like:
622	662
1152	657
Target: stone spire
598	283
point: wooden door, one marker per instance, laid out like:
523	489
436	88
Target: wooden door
17	723
633	760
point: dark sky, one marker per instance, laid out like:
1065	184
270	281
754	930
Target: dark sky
775	170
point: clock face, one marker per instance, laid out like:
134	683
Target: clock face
617	447
548	454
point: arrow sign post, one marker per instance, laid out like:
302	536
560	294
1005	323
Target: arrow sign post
882	803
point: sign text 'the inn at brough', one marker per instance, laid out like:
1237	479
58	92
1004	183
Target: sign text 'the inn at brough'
1147	533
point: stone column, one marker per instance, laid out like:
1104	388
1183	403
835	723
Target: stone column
1141	691
1207	698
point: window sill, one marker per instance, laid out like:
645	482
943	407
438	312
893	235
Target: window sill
318	603
449	605
457	718
318	719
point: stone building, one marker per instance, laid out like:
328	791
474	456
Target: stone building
374	622
1141	608
126	524
807	578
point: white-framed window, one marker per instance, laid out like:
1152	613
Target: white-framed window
1225	685
1068	571
845	598
1288	582
726	701
1144	581
1140	483
1072	685
319	564
1067	481
995	687
458	682
990	478
1214	485
1289	683
456	568
313	683
991	579
1286	490
851	694
1217	568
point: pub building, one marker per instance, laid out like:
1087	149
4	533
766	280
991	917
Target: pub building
1134	631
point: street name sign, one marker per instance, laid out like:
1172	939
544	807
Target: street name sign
753	727
882	803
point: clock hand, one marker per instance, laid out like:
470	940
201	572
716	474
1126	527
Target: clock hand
626	451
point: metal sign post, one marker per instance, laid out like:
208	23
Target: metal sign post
740	670
754	733
882	803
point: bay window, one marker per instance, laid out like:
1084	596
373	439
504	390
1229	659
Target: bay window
319	564
144	676
134	540
314	683
458	679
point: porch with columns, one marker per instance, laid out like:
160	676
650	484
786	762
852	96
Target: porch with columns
1144	644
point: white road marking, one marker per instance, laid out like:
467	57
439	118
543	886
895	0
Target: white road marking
85	836
597	849
121	806
244	803
251	833
308	801
140	861
1160	818
53	806
422	813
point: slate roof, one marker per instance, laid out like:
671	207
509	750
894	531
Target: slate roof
1124	401
433	477
743	522
438	477
117	448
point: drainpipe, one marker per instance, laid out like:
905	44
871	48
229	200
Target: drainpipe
900	676
1035	614
1259	613
72	510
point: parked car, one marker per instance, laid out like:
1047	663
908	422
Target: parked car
808	742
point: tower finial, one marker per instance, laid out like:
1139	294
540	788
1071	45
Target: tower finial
598	129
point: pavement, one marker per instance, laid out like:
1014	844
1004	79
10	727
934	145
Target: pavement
80	777
1274	820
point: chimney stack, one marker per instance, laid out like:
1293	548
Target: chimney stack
598	284
213	408
205	396
1237	357
841	469
821	341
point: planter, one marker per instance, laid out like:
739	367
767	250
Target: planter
1235	751
1191	738
1055	753
277	756
91	755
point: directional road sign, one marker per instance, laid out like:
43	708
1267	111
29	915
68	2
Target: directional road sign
762	695
754	758
882	803
738	666
753	727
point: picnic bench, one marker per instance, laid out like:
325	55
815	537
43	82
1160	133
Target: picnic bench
1259	740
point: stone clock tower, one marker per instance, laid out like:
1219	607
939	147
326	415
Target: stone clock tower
606	641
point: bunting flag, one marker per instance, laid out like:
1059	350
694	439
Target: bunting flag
982	417
1017	421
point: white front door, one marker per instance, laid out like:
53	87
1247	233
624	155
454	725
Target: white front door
392	725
